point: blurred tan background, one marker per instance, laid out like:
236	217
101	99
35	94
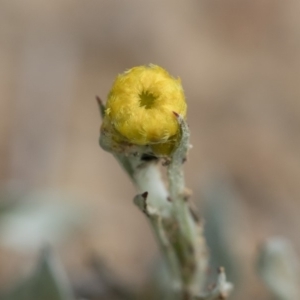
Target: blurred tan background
239	62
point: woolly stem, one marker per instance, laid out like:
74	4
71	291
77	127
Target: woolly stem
178	232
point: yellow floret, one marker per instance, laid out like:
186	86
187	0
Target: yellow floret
140	107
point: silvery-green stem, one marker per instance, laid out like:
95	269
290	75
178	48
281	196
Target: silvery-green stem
194	257
179	233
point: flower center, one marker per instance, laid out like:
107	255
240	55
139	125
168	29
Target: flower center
147	99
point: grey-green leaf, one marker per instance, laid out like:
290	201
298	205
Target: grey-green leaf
48	282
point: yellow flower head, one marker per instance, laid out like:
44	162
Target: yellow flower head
140	108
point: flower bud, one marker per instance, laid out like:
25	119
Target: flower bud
140	109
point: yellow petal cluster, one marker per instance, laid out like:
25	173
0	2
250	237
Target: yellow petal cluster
141	105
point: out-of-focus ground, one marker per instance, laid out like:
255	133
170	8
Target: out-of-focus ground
239	62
